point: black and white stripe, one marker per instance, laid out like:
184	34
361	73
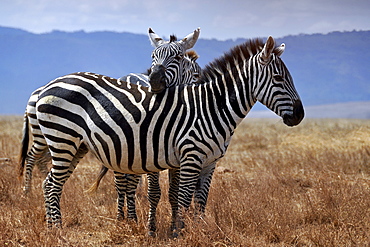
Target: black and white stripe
186	127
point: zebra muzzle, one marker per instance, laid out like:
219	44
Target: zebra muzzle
157	78
297	116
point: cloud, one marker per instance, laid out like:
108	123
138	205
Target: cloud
220	19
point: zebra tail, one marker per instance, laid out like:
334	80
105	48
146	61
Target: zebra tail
25	143
95	185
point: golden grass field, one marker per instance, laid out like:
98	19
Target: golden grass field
277	186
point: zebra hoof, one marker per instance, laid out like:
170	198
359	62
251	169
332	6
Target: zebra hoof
177	228
152	229
132	218
53	225
49	224
120	217
151	234
26	191
175	234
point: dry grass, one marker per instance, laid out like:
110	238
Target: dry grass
302	186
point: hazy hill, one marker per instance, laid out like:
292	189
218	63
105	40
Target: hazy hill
327	69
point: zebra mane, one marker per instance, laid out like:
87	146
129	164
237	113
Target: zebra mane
236	55
173	38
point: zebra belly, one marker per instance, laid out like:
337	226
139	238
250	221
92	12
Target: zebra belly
132	156
138	166
137	169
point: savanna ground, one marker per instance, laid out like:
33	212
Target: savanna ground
277	186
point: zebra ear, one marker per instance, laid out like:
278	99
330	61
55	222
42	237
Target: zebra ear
155	40
193	55
190	40
267	50
279	50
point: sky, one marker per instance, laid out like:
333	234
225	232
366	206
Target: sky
218	19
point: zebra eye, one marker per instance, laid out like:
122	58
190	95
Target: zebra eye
278	78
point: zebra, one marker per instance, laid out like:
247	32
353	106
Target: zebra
190	74
185	128
125	184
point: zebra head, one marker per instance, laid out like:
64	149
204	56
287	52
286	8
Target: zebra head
275	87
191	71
167	59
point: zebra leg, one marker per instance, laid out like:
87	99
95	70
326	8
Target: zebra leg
38	154
188	177
53	184
30	163
132	182
46	189
120	182
154	194
173	193
126	184
202	189
42	163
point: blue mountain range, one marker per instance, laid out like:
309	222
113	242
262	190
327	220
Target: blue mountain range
327	68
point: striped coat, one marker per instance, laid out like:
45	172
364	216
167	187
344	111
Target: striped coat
183	128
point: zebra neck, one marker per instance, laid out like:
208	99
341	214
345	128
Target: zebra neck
220	104
232	93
